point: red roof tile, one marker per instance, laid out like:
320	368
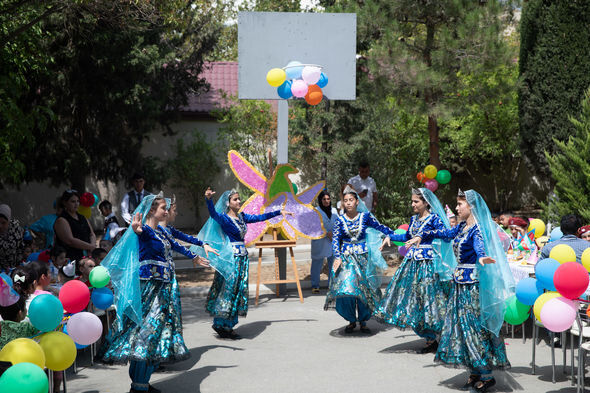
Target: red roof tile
221	75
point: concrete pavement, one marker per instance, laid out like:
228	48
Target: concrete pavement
294	347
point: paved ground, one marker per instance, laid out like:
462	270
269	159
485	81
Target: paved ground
294	347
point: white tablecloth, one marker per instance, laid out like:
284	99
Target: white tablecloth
520	272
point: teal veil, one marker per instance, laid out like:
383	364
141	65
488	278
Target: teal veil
122	262
444	257
375	264
214	236
496	283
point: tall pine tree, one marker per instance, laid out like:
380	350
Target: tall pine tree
570	167
554	64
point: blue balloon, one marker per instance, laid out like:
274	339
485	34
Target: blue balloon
102	298
545	270
293	72
284	90
78	346
556	234
46	312
528	290
323	81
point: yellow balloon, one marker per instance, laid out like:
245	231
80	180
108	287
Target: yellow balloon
23	350
538	226
276	77
430	171
586	259
86	211
540	302
563	253
60	350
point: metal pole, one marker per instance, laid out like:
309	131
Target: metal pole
282	158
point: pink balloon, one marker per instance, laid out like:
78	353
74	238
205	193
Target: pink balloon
311	75
402	251
559	314
299	88
571	280
84	328
431	184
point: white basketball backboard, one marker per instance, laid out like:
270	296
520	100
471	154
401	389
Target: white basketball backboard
269	40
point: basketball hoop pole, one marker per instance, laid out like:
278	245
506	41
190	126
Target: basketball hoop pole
283	132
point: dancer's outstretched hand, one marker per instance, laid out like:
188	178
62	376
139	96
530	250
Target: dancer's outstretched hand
336	264
209	249
486	260
136	224
200	261
209	193
415	241
387	241
286	213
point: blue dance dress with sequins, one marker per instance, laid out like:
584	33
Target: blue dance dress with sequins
416	297
229	299
158	338
464	341
354	290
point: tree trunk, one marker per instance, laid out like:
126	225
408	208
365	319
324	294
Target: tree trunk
433	135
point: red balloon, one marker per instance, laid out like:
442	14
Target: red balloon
571	280
404	227
74	296
87	199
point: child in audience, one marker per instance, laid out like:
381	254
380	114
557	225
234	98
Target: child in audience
85	266
12	325
40	270
106	245
98	254
111	224
24	280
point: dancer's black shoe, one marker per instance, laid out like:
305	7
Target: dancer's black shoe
473	378
233	335
349	329
430	348
152	389
221	332
483	386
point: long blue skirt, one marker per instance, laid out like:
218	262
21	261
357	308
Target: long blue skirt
415	298
464	341
350	281
159	336
227	299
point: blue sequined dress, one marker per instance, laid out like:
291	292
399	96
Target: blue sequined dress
416	297
158	338
228	300
464	341
352	292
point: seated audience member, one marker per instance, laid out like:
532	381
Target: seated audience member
106	245
584	233
111	224
97	255
24	280
84	267
44	225
66	273
42	281
518	228
569	227
12	242
504	221
451	216
12	325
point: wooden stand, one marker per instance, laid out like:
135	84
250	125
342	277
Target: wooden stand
276	244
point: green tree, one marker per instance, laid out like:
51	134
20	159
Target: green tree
117	71
193	168
554	64
570	167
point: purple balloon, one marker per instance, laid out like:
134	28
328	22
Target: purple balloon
431	184
402	251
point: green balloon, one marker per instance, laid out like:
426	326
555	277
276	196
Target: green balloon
516	312
399	232
99	277
24	378
443	176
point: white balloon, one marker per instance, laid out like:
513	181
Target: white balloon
311	75
84	328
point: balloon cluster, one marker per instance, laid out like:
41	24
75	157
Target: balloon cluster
432	177
56	347
402	229
298	80
553	294
87	201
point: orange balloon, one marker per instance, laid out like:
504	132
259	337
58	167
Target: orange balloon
314	95
420	177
